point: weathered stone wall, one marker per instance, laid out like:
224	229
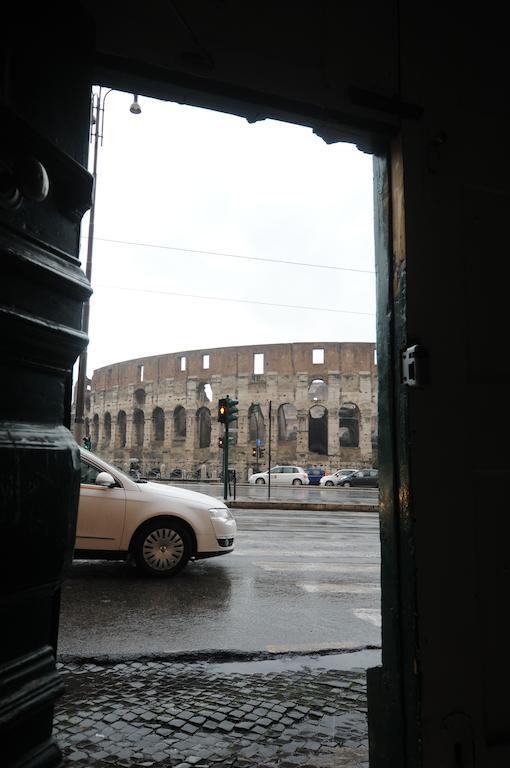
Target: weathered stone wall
137	388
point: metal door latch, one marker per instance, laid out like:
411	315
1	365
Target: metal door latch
414	366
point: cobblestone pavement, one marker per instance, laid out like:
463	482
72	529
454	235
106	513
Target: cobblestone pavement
144	714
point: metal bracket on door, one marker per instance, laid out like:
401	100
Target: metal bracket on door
414	366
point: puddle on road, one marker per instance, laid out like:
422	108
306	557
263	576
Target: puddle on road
335	661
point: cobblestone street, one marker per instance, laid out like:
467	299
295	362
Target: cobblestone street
140	714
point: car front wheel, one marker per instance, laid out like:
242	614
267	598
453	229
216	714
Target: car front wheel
297	481
328	482
260	481
162	548
346	485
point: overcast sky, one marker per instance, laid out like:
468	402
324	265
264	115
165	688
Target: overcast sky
191	180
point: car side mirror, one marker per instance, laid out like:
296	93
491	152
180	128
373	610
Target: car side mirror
105	480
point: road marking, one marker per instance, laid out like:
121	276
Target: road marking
368	614
347	589
330	568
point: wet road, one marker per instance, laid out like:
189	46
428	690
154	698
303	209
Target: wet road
299	581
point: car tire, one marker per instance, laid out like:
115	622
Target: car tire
346	485
328	482
162	548
260	481
297	481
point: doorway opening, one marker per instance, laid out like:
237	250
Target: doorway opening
276	301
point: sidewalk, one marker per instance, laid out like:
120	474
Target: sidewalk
180	714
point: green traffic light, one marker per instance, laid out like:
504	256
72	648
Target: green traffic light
232	411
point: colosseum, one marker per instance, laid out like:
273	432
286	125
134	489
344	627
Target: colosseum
162	410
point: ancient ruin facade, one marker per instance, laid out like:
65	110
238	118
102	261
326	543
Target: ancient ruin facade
163	409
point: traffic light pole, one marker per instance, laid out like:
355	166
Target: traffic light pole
225	463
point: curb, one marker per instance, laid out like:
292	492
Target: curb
318	507
211	656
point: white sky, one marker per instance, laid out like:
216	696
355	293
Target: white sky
196	179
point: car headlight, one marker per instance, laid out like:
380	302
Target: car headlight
220	513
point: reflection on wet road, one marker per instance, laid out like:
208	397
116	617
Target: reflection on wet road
298	581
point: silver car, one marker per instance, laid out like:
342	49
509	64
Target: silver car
160	526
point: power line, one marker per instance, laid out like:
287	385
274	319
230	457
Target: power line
234	255
229	299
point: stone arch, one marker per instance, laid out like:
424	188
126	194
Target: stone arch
204	392
349	420
95	430
139	396
256	423
158	425
107	429
179	422
121	429
287	422
138	427
318	430
204	427
318	390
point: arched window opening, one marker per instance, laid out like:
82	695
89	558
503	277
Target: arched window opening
204	427
349	425
138	427
318	430
287	422
139	396
179	422
158	424
318	390
121	429
256	423
107	428
95	430
204	392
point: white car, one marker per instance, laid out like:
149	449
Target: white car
336	477
281	475
161	527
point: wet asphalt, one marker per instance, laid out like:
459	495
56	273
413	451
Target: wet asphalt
298	581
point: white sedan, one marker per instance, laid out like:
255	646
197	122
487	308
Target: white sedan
160	526
336	477
281	475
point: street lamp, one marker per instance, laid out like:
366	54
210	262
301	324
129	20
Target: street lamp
96	133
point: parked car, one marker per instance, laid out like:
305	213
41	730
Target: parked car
315	474
335	478
160	526
154	473
361	478
281	475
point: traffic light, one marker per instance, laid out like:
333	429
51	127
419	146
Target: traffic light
220	442
253	451
232	410
222	410
261	452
